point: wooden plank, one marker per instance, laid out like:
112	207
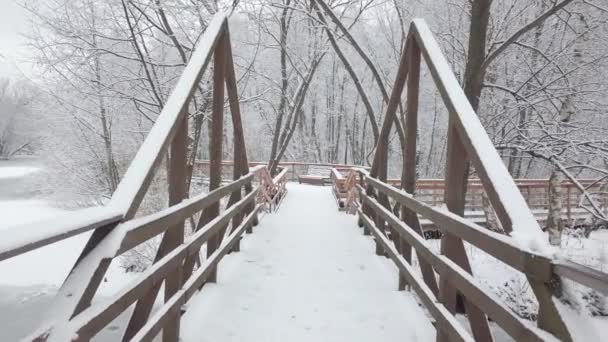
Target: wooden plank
445	320
582	274
49	231
504	195
175	234
235	114
516	327
146	227
156	323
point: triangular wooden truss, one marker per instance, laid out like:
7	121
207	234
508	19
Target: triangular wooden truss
467	142
71	314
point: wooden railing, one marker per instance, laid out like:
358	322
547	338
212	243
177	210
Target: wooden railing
272	190
523	246
294	169
534	191
116	229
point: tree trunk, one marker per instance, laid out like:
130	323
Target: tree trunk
554	219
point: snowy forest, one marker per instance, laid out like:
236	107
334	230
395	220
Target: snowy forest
313	88
314	80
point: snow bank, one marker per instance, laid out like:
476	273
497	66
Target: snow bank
16	171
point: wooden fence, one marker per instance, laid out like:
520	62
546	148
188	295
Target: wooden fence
294	169
534	191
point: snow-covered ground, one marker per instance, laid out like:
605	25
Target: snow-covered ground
28	281
305	274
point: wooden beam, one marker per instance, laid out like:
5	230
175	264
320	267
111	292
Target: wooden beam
516	327
216	140
53	230
499	246
445	321
144	306
146	227
408	177
95	318
240	148
155	324
175	234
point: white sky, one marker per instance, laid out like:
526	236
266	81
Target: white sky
12	22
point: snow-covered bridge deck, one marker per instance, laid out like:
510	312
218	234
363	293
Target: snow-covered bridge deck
306	274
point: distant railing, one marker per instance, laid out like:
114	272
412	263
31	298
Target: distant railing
116	229
294	169
272	189
534	191
397	229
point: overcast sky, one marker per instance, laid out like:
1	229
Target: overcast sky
12	22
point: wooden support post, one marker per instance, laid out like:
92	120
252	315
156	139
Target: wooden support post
215	151
362	183
241	164
175	235
408	177
215	142
549	318
379	166
451	246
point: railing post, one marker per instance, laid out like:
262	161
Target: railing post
241	163
175	235
451	246
549	318
408	177
216	141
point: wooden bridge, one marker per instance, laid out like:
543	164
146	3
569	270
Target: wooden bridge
232	208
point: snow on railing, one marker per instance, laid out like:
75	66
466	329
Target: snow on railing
27	237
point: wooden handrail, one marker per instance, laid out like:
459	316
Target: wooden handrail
92	320
582	274
272	189
144	228
27	237
464	282
135	182
499	246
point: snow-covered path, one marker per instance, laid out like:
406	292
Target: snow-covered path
307	273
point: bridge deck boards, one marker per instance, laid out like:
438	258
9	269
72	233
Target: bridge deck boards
306	274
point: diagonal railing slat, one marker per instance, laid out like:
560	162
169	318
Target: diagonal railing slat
135	182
